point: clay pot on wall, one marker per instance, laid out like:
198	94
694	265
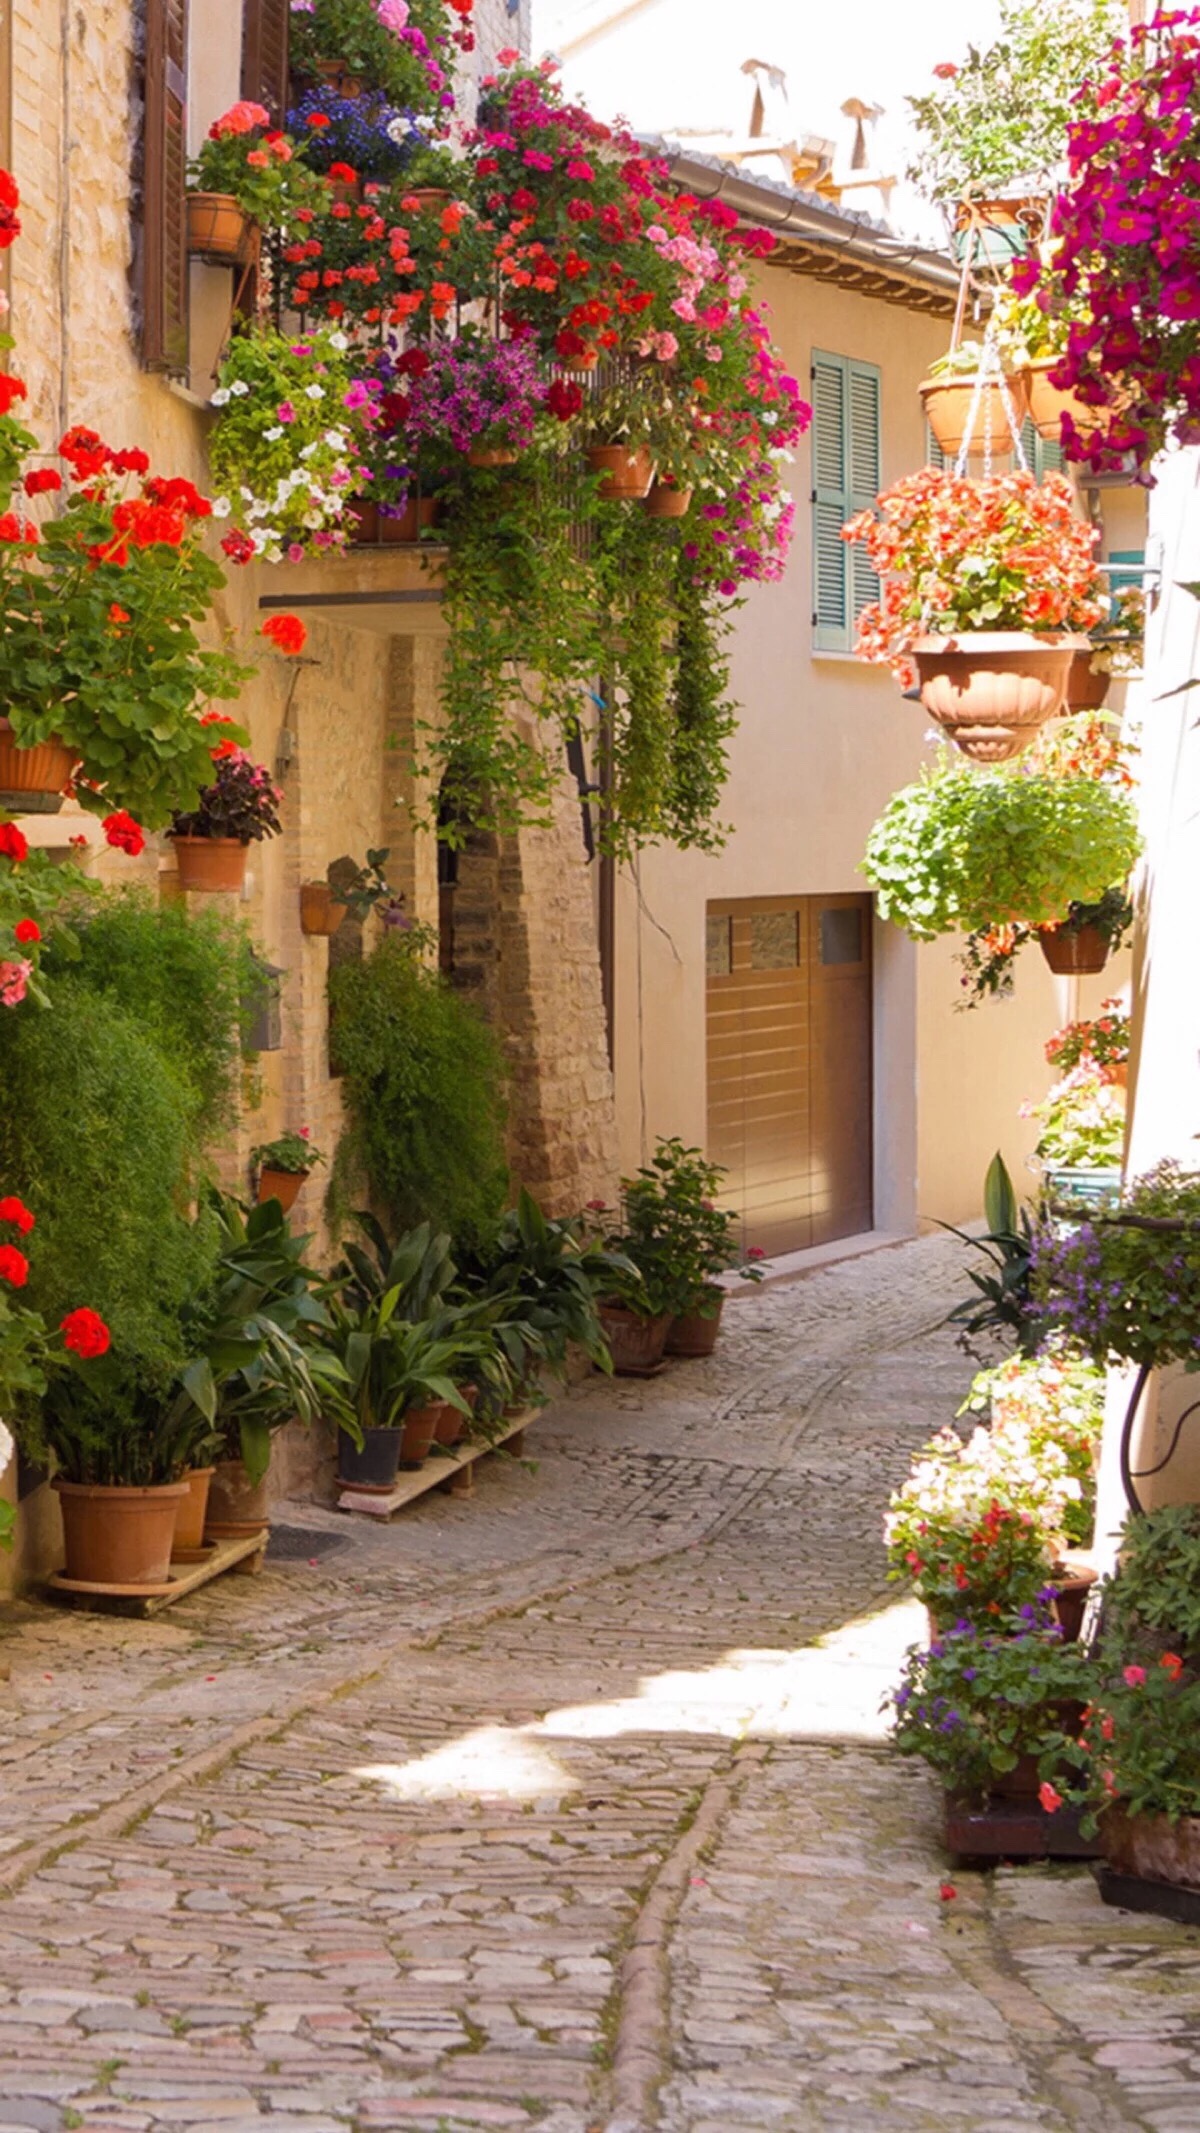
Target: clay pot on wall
364	522
627	474
666	501
320	911
990	690
281	1185
33	778
418	516
118	1536
218	230
482	455
213	865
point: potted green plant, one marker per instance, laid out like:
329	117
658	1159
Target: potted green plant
993	132
357	45
669	1212
623	420
283	1164
1103	1041
550	1272
246	177
988	588
239	807
964	850
998	1714
400	1374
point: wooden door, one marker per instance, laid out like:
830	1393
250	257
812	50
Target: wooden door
789	1065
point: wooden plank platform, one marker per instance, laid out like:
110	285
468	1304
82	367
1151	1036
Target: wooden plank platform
452	1472
244	1555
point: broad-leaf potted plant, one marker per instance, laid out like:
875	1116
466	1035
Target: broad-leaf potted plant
400	1376
988	588
238	808
965	850
283	1165
550	1271
247	177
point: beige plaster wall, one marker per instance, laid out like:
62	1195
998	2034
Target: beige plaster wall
823	742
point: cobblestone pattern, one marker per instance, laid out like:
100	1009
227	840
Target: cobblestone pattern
444	1765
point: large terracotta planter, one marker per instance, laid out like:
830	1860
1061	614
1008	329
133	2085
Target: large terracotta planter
237	1506
626	474
947	403
363	517
281	1185
193	1509
693	1334
320	911
635	1343
218	229
1150	1848
990	690
119	1536
1079	952
1086	691
215	865
667	502
418	516
418	1433
34	776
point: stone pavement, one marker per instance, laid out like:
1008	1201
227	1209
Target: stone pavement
563	1806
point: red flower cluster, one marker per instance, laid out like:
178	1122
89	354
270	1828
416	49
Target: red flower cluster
14	844
85	1332
14	1266
10	201
15	1211
124	834
287	633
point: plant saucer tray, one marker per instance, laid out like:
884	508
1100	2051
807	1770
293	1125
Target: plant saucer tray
1133	1892
188	1573
453	1473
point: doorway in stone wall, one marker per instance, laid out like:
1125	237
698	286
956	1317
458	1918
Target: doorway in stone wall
789	1044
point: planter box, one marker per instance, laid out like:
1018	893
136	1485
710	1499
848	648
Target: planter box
1015	1829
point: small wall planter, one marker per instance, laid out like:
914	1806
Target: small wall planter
281	1185
627	474
990	690
118	1536
419	515
374	1468
219	231
364	522
213	865
664	501
482	455
320	911
32	779
693	1334
947	403
636	1343
1079	951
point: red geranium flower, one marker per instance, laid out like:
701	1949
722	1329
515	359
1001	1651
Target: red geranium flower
10	389
10	200
564	399
13	842
85	1332
26	929
14	1266
286	632
40	480
84	452
238	546
15	1211
124	834
131	461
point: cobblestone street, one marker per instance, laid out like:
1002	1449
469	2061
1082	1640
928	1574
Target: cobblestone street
564	1805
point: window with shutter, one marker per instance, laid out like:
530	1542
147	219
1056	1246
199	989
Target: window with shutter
164	189
846	480
265	55
1041	456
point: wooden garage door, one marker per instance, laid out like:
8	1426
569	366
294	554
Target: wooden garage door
789	1065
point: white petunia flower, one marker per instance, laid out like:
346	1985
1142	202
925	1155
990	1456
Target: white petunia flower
270	436
240	388
220	398
221	507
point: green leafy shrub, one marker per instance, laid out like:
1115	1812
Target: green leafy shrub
967	849
424	1094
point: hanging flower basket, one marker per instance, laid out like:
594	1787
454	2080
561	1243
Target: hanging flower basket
990	690
32	777
1075	952
281	1185
1004	228
218	229
320	911
667	502
627	474
947	403
215	865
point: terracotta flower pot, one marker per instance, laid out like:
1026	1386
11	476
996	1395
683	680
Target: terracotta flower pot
1070	1602
364	521
281	1185
418	515
320	911
346	192
451	1421
482	455
193	1509
667	502
1150	1848
990	690
418	1433
693	1334
1004	228
215	865
1086	691
1049	403
1077	952
119	1536
429	196
947	404
237	1506
218	229
334	74
635	1343
627	474
32	779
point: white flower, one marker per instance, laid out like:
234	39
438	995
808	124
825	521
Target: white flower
307	450
7	1446
239	388
260	538
270	436
221	397
340	341
221	507
314	392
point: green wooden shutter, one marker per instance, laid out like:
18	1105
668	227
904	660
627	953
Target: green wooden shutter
934	455
846	479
